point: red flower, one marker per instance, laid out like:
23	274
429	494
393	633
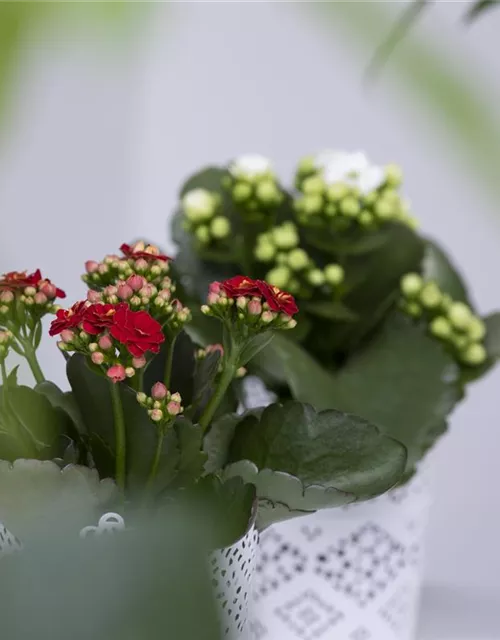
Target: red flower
140	250
99	317
278	300
137	330
241	286
68	318
15	280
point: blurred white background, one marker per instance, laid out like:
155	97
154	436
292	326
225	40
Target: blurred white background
99	139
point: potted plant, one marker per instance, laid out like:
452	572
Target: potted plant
386	330
150	415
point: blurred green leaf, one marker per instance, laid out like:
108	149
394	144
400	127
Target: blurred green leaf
479	8
437	265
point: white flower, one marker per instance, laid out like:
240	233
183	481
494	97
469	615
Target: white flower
344	166
198	204
250	166
370	179
327	157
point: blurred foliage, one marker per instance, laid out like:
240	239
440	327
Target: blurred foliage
435	78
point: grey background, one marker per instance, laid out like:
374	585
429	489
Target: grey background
100	139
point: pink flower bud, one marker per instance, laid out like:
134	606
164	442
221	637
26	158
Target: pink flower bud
67	336
102	268
267	317
6	296
40	298
47	288
98	358
91	266
30	291
136	282
139	363
215	347
146	291
176	397
213	298
125	291
94	296
111	290
116	373
105	343
156	415
173	408
254	308
165	294
214	287
141	264
159	391
241	302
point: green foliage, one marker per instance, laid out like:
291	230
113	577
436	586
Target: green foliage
437	265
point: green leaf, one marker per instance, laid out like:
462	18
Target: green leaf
30	427
329	449
479	8
12	377
62	400
209	178
492	340
330	310
192	457
357	242
402	380
204	378
254	346
438	266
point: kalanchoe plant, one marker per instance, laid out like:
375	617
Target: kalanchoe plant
156	412
386	327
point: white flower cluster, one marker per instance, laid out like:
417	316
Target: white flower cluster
353	169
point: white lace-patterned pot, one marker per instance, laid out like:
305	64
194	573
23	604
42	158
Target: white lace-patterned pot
232	570
352	573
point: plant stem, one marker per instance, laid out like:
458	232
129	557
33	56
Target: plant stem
120	435
225	380
30	355
4	371
156	459
168	364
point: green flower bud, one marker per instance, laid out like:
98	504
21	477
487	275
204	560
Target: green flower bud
371	198
413	309
268	192
264	251
476	329
241	191
203	234
286	236
316	277
279	277
331	209
282	258
350	207
334	274
430	295
393	175
461	342
384	209
220	227
293	286
199	204
474	355
460	315
306	165
337	192
312	203
313	185
441	328
298	259
366	219
411	285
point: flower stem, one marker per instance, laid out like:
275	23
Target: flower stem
120	435
168	364
156	459
225	380
30	355
4	372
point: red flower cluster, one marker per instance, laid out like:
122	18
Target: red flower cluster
137	330
17	280
278	300
141	250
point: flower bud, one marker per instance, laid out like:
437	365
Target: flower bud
460	315
136	282
139	363
350	206
334	274
285	236
441	328
116	373
264	251
93	346
241	192
156	270
40	298
174	408
316	277
147	291
205	309
393	175
411	285
130	372
97	357
267	317
241	302
202	233
62	346
102	269
67	336
241	372
267	192
220	227
6	297
199	204
176	397
476	329
141	397
312	204
254	307
141	265
29	291
156	415
105	343
474	355
430	295
384	209
291	324
94	296
337	192
184	315
47	288
135	301
298	259
279	277
91	266
313	185
125	292
214	287
213	298
159	391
